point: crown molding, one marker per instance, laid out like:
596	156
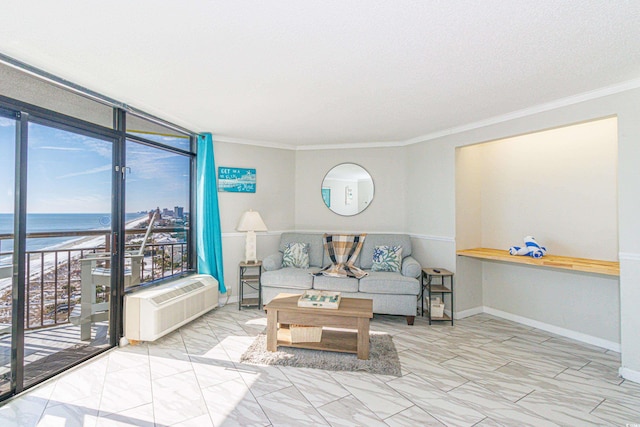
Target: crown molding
268	144
540	108
278	145
384	144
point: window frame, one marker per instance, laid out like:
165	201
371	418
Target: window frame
25	113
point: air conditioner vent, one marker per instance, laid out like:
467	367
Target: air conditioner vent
152	313
182	290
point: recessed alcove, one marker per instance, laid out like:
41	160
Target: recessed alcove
560	186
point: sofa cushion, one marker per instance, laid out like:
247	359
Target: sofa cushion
384	282
337	284
387	258
373	240
296	255
289	277
316	247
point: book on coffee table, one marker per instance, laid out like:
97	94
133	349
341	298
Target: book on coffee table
319	299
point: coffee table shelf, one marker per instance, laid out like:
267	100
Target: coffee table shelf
332	340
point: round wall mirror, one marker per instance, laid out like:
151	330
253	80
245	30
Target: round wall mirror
347	189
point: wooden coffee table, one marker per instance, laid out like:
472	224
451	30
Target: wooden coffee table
353	313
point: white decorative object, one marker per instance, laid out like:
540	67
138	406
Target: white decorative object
348	195
320	299
531	248
251	221
437	307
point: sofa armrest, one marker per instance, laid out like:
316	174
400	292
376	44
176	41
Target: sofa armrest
272	262
411	267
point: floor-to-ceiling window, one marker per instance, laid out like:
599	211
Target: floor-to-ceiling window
69	187
157	186
7	174
98	209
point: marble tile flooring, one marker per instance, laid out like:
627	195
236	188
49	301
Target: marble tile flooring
50	349
484	371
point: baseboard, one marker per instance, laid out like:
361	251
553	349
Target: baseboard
629	374
222	300
466	313
233	299
578	336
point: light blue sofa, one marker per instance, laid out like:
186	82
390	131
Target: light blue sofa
392	293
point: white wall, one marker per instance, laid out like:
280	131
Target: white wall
586	305
628	112
431	209
415	190
273	199
559	185
385	213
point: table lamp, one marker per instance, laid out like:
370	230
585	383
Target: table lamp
250	221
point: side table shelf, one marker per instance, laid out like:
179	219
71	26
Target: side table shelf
428	274
250	274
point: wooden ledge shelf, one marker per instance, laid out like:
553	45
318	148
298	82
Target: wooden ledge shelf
609	268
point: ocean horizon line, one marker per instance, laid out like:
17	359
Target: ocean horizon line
41	222
77	213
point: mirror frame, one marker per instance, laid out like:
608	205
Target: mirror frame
323	187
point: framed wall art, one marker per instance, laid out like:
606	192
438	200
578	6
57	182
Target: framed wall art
236	180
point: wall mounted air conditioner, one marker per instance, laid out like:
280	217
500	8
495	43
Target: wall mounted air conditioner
152	313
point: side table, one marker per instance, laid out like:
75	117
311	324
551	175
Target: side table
428	274
250	274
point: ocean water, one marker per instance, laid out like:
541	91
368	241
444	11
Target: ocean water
56	222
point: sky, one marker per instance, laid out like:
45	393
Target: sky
71	173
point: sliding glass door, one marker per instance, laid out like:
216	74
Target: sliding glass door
95	201
7	186
68	249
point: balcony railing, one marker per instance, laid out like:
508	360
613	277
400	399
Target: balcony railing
53	276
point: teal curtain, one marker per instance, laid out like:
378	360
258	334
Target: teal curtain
208	214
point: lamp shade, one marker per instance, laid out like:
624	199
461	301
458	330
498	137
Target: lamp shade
251	221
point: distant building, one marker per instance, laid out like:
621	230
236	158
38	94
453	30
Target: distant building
178	212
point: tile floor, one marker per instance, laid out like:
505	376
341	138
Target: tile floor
50	349
484	371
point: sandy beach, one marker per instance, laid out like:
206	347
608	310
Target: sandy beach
77	244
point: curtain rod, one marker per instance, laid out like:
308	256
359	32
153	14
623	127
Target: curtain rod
88	93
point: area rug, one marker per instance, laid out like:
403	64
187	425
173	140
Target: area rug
383	357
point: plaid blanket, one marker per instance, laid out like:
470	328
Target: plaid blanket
343	250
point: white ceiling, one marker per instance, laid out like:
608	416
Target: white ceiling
308	73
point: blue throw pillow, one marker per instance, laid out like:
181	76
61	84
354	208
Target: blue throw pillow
387	258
